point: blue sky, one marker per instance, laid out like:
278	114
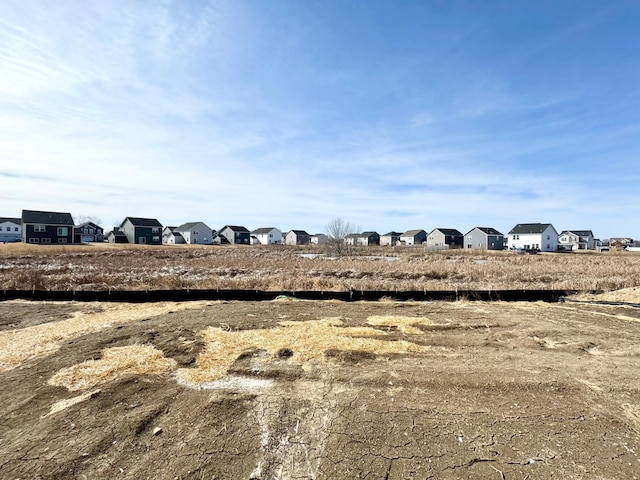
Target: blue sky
391	115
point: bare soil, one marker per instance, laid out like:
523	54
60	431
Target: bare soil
433	390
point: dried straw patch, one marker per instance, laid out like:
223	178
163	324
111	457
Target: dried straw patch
307	340
627	295
115	363
66	403
17	346
399	323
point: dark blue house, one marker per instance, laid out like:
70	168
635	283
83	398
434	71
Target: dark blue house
47	227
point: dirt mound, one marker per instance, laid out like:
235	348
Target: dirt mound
322	390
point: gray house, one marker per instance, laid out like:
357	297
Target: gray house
297	237
142	231
195	233
235	235
413	237
363	239
571	240
485	238
390	239
445	238
170	236
117	236
47	227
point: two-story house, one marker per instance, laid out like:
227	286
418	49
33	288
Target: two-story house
195	233
235	235
267	236
533	236
572	240
10	230
445	238
88	232
142	231
47	227
484	238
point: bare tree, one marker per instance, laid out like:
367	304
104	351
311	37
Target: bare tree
79	219
337	231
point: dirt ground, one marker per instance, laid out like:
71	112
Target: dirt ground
319	390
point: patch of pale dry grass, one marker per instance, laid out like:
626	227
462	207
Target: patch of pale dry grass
18	346
401	324
68	402
308	341
626	295
115	363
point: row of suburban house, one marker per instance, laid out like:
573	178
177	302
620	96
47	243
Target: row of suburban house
39	227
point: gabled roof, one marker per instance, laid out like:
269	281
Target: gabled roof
236	228
117	233
392	234
47	218
88	224
580	233
299	232
143	222
17	221
487	230
190	225
448	231
524	228
362	235
413	233
262	231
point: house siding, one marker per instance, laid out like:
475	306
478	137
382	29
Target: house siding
50	235
476	238
547	241
10	232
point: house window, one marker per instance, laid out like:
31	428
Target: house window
34	240
39	228
8	229
155	230
156	239
142	239
63	231
62	240
15	229
548	237
46	240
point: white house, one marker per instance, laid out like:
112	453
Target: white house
10	229
572	240
318	238
533	236
171	237
196	233
267	236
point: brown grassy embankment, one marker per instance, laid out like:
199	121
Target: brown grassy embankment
117	267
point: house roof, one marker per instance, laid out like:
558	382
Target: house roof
523	228
117	233
392	234
190	225
413	233
47	218
236	228
580	233
17	221
362	235
87	224
299	232
448	231
262	231
143	222
488	230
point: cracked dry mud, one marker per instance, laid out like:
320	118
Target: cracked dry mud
487	390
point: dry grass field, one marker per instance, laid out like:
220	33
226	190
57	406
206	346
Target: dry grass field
321	390
116	267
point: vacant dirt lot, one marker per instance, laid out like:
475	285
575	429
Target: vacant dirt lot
327	390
